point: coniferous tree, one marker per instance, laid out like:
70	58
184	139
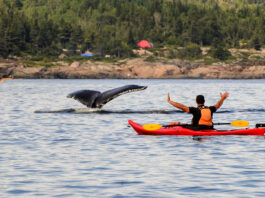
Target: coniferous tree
18	4
256	43
114	25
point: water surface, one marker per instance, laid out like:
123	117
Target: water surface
52	146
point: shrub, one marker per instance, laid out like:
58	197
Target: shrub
220	53
191	51
255	42
150	59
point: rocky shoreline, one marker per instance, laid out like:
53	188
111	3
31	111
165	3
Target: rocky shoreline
136	68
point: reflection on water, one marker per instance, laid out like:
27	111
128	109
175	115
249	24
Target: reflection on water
52	146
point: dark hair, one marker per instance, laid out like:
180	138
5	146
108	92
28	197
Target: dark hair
200	99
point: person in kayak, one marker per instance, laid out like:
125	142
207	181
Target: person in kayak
202	115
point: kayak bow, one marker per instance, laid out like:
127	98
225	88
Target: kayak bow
179	130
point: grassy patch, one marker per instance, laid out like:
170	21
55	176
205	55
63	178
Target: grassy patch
150	59
30	63
245	55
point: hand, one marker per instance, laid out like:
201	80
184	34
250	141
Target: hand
224	95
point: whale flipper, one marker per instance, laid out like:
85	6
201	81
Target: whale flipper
96	99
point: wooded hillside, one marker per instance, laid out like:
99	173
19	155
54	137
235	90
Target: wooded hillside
46	27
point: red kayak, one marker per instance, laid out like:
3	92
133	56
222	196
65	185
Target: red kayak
179	130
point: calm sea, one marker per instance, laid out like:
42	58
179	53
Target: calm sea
53	146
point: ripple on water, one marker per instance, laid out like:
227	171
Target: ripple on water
67	150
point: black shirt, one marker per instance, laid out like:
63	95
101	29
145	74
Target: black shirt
196	112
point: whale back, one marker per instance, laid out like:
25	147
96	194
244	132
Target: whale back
86	97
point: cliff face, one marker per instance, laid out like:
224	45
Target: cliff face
138	68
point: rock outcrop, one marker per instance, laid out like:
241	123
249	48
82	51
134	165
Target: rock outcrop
137	68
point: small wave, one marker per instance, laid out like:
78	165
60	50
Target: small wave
140	112
241	110
130	111
55	111
101	111
18	191
83	110
225	111
252	110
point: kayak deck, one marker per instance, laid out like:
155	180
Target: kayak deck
179	130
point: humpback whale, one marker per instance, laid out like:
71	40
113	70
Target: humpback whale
96	99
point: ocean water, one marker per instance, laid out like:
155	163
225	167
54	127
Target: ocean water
53	146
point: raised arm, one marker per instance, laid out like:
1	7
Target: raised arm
220	102
178	105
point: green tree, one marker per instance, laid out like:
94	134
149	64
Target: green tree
256	43
64	33
219	51
18	4
35	26
76	38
